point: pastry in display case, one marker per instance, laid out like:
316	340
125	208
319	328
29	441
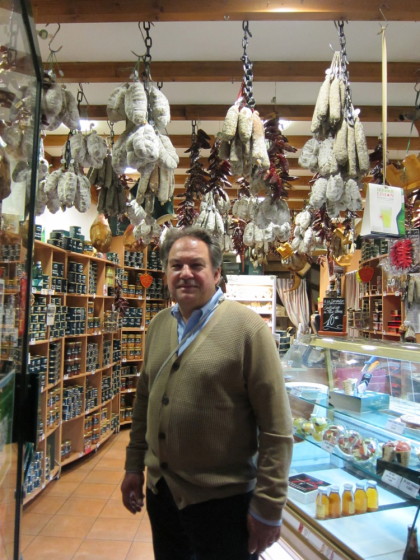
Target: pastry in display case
356	421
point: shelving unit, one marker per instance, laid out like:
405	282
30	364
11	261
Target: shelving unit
257	293
381	303
87	356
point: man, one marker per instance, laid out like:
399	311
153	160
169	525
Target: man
211	420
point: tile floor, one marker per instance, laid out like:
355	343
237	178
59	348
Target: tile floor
81	516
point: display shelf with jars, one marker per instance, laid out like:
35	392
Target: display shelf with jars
356	419
87	354
381	293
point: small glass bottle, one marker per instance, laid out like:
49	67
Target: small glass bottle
372	495
335	502
360	498
347	500
322	503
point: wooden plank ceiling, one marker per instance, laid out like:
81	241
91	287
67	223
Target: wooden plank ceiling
228	71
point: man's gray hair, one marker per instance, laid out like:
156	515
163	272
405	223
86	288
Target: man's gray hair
215	251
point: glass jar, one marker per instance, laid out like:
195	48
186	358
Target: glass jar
322	503
372	495
347	500
360	498
335	502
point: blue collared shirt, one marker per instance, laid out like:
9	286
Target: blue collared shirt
197	320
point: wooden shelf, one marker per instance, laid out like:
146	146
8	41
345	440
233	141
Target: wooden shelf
104	417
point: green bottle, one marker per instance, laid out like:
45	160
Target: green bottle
401	220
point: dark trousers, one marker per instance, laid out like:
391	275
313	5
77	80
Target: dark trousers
213	530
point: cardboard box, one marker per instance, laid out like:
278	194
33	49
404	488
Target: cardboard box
304	487
359	403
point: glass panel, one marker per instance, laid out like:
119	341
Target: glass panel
19	92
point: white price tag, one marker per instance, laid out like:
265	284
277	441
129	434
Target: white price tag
51	308
409	487
395	426
44	291
327	446
391	478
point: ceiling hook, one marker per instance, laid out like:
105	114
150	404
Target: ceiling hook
53	51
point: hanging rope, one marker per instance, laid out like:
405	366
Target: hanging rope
384	104
247	66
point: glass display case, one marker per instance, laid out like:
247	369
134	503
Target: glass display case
20	88
356	417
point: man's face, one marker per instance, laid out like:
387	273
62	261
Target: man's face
191	277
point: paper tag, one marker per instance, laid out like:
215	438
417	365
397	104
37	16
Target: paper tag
409	487
395	426
51	308
44	291
391	478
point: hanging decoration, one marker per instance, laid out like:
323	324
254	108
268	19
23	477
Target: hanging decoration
337	153
216	198
242	135
58	105
144	144
197	182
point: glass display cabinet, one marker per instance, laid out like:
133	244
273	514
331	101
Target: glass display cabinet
356	417
20	87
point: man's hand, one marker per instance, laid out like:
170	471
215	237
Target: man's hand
132	491
261	536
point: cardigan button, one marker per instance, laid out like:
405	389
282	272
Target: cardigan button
162	435
164	466
175	366
165	400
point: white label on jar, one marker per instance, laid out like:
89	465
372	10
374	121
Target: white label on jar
409	487
395	426
391	478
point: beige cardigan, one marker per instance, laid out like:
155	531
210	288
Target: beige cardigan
201	423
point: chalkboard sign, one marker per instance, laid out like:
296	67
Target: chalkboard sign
333	314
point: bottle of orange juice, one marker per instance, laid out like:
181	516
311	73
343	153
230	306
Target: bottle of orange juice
322	503
360	498
347	500
335	502
372	495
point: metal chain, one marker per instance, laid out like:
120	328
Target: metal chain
148	43
193	131
111	133
247	66
348	103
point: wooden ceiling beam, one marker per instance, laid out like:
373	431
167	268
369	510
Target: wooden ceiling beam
83	11
184	141
227	71
368	113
